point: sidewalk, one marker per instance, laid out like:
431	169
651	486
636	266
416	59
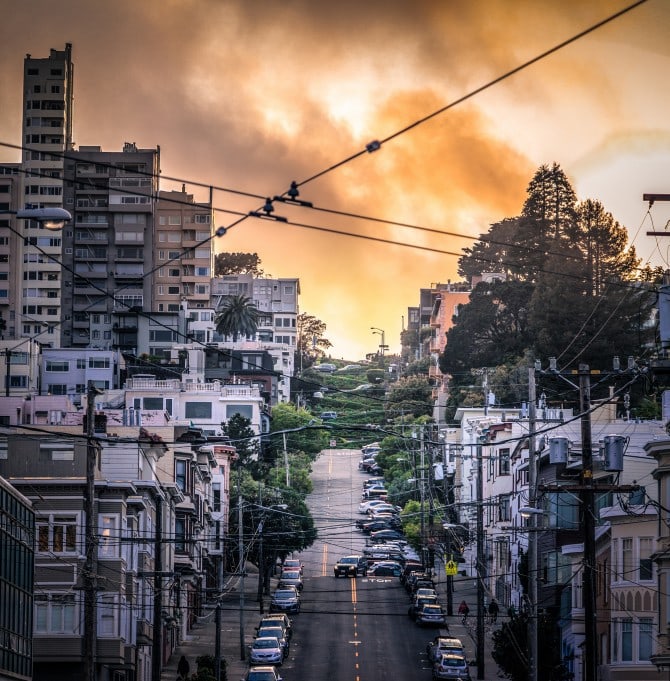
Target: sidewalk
465	588
201	639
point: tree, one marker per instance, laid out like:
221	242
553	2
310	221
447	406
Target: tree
410	395
238	316
312	343
237	263
243	437
490	329
510	649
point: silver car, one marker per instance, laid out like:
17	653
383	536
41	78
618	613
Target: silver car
266	650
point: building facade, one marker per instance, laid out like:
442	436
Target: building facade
17	541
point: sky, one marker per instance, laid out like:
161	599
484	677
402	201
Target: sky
246	96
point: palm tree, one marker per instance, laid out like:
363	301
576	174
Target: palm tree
237	316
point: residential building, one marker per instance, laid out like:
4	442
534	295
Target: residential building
20	369
48	93
201	405
68	371
11	243
275	299
183	252
108	253
17	553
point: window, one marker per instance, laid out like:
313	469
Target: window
245	410
109	536
503	462
153	403
627	558
57	534
81	363
108	616
645	639
646	572
216	497
198	410
98	363
626	639
180	535
57	366
181	476
55	613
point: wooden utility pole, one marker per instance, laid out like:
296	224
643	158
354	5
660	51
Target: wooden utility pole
587	504
90	564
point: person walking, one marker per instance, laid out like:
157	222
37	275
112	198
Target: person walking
493	611
464	611
183	667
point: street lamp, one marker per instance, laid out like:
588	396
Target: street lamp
50	218
382	345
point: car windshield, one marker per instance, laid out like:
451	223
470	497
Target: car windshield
272	632
266	643
261	676
432	610
349	561
452	662
285	594
290	574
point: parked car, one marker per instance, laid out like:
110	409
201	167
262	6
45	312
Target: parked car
266	650
369	503
417	604
275	630
262	674
282	618
385	569
431	615
326	415
451	667
293	563
325	367
285	600
443	645
291	578
350	566
384	535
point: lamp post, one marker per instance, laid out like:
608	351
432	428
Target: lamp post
382	346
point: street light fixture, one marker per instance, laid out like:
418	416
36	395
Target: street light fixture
382	346
50	218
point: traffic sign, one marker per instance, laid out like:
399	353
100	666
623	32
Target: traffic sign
451	568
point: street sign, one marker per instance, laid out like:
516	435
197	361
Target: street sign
451	568
333	443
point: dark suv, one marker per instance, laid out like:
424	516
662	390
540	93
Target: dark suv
351	566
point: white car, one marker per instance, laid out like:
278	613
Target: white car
368	504
266	650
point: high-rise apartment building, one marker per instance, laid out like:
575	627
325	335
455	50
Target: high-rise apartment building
47	137
108	250
183	252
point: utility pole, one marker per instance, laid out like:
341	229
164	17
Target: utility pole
480	564
240	539
588	523
157	639
90	565
533	538
8	370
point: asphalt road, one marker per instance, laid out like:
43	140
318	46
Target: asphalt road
349	629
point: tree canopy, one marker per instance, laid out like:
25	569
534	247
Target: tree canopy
566	285
237	263
238	316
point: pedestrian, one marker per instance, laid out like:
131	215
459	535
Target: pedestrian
493	610
183	668
463	610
